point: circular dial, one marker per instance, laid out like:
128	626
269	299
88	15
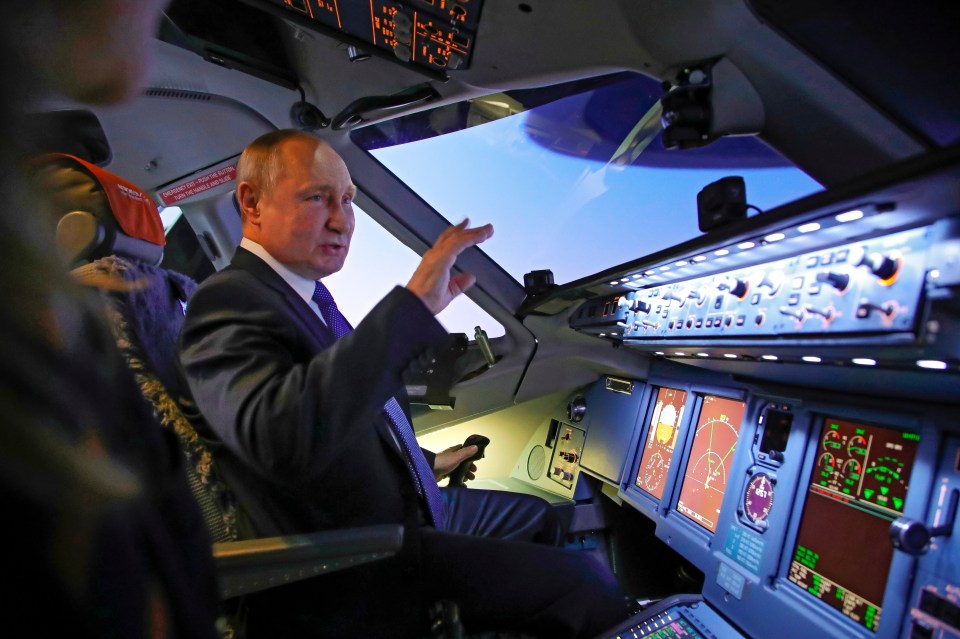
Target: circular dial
831	441
758	498
653	472
857	446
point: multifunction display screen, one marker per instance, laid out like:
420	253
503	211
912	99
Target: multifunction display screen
858	486
661	440
708	467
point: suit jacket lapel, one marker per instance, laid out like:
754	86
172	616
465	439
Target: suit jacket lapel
299	310
312	326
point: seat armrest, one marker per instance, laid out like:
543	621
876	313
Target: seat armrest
245	567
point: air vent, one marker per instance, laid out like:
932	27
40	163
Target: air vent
177	94
536	462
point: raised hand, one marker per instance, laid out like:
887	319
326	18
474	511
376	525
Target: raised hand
432	281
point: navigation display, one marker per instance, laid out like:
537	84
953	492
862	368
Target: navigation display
858	486
661	440
708	468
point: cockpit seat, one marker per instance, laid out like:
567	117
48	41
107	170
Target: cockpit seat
111	234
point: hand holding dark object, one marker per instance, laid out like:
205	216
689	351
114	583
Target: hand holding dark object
464	471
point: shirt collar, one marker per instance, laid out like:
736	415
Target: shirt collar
304	287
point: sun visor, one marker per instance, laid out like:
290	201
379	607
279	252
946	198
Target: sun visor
136	214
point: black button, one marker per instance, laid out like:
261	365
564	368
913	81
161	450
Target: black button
718	302
842	256
812	261
794	299
699	323
741	319
709	322
826	259
728	321
814	289
755	299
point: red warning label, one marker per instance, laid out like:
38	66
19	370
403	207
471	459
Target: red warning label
198	185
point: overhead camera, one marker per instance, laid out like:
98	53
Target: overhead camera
686	112
708	101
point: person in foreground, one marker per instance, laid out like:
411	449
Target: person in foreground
305	419
102	537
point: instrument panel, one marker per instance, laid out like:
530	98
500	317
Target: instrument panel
788	505
434	34
867	287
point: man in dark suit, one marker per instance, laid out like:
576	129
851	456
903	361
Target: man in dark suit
302	413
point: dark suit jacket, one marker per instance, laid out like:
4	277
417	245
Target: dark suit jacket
296	421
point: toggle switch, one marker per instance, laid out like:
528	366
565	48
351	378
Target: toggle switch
866	308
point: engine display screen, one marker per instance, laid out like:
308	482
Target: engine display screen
661	440
708	468
858	486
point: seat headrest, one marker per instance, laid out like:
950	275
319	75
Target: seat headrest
128	208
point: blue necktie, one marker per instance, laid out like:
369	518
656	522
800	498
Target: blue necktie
416	462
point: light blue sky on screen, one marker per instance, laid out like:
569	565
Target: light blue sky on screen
549	210
571	215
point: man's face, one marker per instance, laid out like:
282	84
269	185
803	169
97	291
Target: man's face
306	218
94	51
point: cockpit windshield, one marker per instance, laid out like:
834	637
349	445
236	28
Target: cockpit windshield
574	178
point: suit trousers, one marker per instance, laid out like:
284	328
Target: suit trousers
501	515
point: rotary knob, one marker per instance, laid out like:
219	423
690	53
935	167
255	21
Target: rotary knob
576	409
736	287
883	266
679	295
837	280
772	282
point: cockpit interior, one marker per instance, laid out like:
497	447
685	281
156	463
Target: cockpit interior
717	326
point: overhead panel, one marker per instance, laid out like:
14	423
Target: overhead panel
436	34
